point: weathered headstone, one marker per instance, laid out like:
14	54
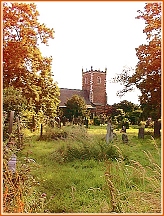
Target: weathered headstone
124	138
141	133
109	135
12	163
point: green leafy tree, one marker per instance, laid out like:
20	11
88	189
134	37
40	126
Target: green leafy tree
13	100
132	112
47	98
75	107
126	106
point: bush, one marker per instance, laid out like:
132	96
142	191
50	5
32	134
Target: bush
92	149
53	134
96	121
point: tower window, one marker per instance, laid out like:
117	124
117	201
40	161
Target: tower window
98	80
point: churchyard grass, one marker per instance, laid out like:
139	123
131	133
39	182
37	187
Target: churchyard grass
80	173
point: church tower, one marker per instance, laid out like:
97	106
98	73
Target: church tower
94	82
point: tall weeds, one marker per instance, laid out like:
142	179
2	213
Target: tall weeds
134	188
18	185
80	146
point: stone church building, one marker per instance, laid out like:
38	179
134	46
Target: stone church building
93	91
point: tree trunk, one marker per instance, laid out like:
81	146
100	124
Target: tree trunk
41	131
157	127
11	121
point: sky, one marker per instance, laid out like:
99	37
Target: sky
98	34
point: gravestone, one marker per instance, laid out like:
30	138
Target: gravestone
12	163
109	135
141	133
124	138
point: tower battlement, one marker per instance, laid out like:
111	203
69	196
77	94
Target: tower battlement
96	70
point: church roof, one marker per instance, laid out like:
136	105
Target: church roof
66	94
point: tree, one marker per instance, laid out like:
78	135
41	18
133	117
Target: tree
147	75
75	106
48	98
13	100
24	67
132	112
126	106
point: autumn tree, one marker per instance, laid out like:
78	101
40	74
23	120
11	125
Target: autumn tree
75	106
24	67
148	69
147	74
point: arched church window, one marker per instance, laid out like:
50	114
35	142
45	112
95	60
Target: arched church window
98	80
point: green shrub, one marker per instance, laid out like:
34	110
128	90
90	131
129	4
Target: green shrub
53	134
96	121
93	149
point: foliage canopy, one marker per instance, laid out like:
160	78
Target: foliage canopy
24	67
147	75
75	107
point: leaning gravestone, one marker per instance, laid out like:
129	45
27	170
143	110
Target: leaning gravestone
124	138
12	163
141	133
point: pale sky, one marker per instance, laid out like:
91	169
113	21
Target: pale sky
99	34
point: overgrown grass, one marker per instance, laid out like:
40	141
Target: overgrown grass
80	173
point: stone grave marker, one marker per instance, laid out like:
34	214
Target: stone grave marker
109	135
125	138
141	133
12	163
